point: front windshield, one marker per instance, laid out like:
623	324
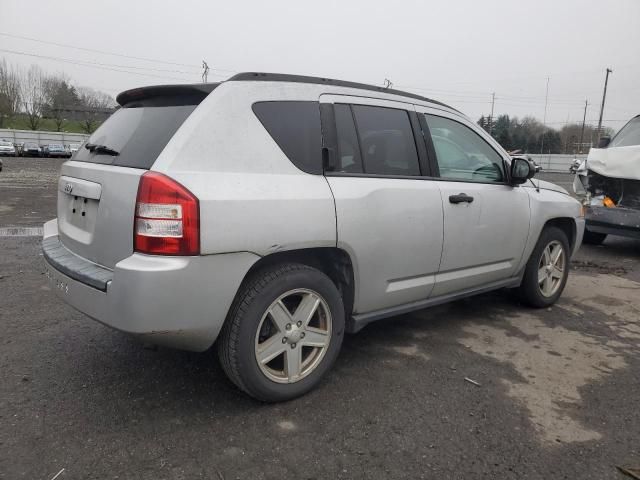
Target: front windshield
629	135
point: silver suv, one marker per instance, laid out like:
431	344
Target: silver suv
271	213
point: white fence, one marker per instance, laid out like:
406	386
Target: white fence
556	162
41	137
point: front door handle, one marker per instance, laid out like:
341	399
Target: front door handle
460	198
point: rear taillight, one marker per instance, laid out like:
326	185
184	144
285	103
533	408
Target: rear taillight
167	219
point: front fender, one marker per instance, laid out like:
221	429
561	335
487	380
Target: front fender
548	205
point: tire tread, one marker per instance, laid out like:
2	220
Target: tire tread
230	334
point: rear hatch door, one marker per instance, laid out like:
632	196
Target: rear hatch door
97	190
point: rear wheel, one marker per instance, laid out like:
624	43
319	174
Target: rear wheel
283	332
593	238
547	269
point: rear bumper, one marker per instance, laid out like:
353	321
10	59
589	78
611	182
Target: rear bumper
613	221
180	302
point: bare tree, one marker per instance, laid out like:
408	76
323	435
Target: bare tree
96	106
32	95
9	92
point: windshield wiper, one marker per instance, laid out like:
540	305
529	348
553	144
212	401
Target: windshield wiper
101	149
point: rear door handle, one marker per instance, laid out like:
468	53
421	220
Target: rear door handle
460	198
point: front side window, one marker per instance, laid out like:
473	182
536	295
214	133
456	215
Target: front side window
462	154
628	136
386	141
295	127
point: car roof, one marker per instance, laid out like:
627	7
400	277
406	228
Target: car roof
285	77
201	90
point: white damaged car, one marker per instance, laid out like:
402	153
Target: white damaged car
609	180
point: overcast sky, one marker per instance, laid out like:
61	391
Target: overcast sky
456	51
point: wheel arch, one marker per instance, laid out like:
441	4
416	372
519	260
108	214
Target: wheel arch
334	262
567	225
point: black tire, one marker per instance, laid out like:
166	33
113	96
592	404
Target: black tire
529	291
593	238
236	343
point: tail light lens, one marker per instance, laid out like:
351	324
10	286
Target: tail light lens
167	219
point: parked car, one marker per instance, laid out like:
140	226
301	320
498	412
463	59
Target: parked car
19	146
273	212
7	149
31	149
56	150
609	181
73	148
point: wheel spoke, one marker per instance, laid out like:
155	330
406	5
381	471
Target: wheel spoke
557	272
307	307
546	255
555	256
294	363
314	337
270	349
280	315
542	274
547	285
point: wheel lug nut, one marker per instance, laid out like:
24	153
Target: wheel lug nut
299	323
302	335
284	339
288	326
293	345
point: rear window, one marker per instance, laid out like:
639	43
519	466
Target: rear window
295	127
137	133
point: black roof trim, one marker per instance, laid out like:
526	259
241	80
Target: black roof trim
154	91
284	77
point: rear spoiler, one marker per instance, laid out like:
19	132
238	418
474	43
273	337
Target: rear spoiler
165	95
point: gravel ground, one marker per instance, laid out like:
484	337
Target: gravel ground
556	393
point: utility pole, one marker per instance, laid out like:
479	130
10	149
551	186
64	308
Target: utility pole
604	95
544	119
493	101
584	119
205	71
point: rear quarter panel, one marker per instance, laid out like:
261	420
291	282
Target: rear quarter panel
252	198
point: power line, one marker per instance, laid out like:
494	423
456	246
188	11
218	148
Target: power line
96	51
110	64
100	66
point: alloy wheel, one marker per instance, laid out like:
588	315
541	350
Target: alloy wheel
293	336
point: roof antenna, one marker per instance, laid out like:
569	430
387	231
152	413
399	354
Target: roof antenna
388	84
205	71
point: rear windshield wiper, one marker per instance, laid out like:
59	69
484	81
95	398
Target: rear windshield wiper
101	149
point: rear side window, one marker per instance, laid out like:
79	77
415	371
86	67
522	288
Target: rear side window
349	159
386	141
295	127
628	136
137	133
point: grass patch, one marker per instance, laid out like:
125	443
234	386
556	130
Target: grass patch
21	122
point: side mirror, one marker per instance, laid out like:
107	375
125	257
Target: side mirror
521	170
604	141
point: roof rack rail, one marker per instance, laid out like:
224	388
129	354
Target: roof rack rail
284	77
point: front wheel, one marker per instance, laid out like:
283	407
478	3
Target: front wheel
283	332
547	270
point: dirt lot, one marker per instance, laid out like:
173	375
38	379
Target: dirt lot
557	396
